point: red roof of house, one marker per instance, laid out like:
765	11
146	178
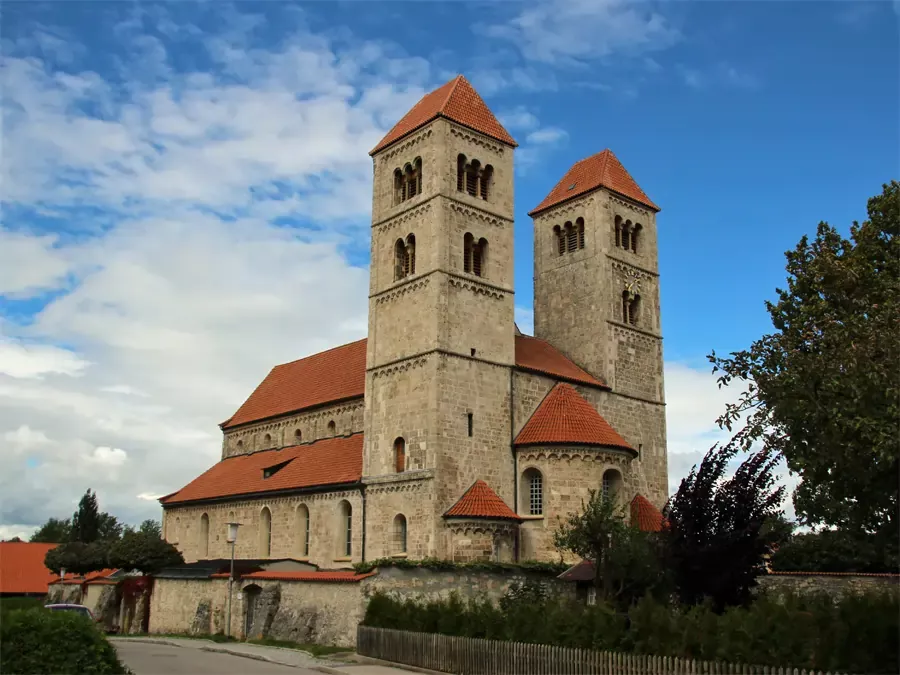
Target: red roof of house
330	461
22	567
540	356
339	374
458	101
335	576
645	516
332	375
564	417
601	170
480	501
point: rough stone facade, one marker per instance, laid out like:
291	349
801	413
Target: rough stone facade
312	612
441	376
836	585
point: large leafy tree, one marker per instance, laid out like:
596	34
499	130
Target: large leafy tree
54	531
143	551
86	520
78	557
823	389
714	542
626	561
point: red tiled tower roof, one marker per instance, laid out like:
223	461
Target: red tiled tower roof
479	501
330	461
333	375
458	101
601	170
339	374
644	515
564	417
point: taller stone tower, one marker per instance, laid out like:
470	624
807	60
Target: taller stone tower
596	293
441	336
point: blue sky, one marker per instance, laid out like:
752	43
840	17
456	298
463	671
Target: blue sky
179	179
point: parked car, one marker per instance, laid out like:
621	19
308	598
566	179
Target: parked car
62	607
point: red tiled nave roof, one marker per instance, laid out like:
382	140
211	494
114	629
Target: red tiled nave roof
480	501
601	170
458	101
565	417
340	373
330	461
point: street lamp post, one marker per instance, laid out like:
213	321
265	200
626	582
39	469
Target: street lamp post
232	538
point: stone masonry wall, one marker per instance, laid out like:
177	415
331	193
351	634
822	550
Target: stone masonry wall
182	528
837	585
304	427
410	495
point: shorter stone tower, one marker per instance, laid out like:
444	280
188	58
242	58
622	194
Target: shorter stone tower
596	296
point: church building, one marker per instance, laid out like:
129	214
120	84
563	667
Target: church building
447	432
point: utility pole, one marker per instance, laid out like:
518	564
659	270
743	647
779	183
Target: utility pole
232	538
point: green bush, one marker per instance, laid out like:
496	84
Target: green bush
14	603
837	551
44	641
535	566
855	634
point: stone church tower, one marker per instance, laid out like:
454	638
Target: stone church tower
596	291
441	303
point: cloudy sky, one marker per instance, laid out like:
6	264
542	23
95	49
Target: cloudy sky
186	193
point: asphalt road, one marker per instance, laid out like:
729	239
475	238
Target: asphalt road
155	659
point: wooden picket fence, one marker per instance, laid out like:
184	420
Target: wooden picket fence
472	656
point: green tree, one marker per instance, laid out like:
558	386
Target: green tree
823	389
151	527
78	557
109	529
143	551
713	543
54	531
86	520
626	561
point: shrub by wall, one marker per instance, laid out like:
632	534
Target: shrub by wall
856	634
44	641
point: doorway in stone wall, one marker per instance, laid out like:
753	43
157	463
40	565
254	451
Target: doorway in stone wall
251	602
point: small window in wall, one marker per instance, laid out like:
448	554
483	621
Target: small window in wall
240	444
267	441
560	238
204	536
612	484
487	177
332	428
399	533
631	308
345	531
303	530
265	533
298	436
400	455
470	423
635	234
534	486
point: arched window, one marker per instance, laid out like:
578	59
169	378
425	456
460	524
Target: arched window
400	455
345	529
399	193
472	173
267	441
560	239
479	257
332	428
468	245
626	235
410	254
487	176
399	260
618	231
612	484
408	182
634	237
298	436
240	444
579	227
265	533
460	173
533	492
628	308
399	533
303	530
634	310
571	238
204	536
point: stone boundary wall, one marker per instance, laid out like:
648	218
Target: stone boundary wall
315	612
837	584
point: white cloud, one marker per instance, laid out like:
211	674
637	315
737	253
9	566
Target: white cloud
574	31
45	268
23	532
20	359
518	119
547	135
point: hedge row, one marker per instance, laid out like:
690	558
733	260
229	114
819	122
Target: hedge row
858	634
530	566
44	641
